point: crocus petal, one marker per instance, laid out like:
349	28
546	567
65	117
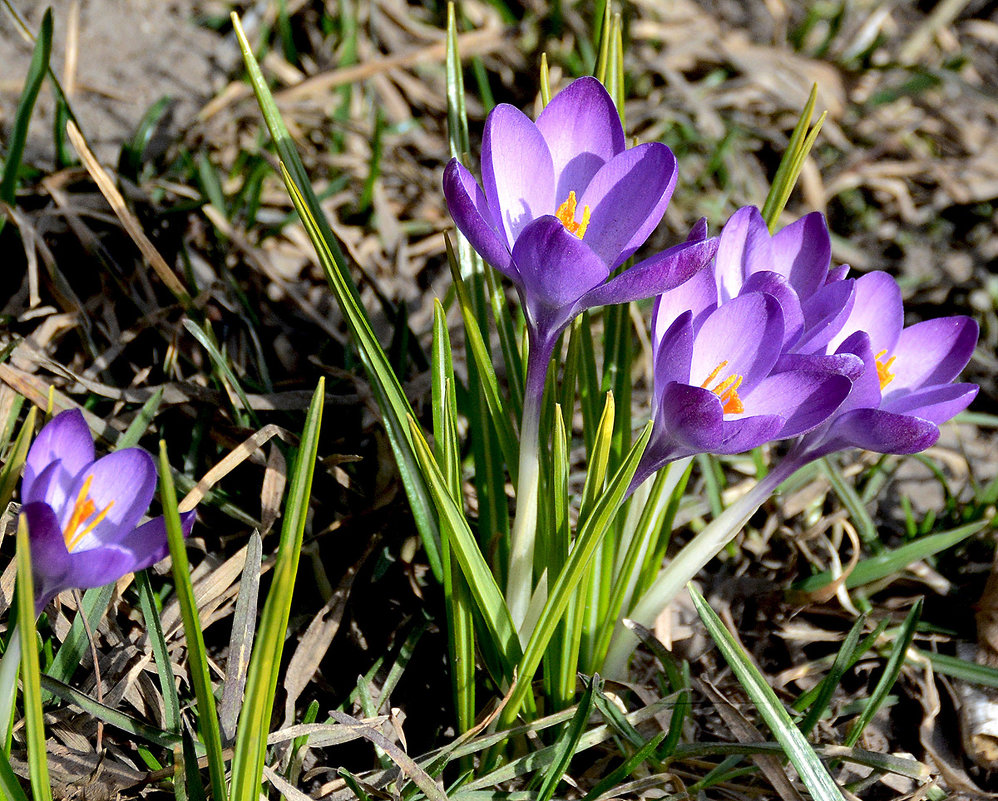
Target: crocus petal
49	557
123	483
147	543
582	129
937	404
837	273
803	399
825	312
750	432
65	439
556	268
865	391
99	566
627	199
803	252
876	310
673	354
744	244
746	332
654	275
692	417
470	210
777	285
844	364
517	171
884	432
932	352
698	296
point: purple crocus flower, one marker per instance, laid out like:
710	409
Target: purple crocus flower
83	513
724	385
906	388
565	203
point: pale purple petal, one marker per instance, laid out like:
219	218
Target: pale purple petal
746	433
825	312
517	172
583	132
654	275
122	482
932	352
673	354
884	432
744	243
746	332
803	252
556	269
776	285
803	399
837	274
876	310
698	295
937	404
148	544
99	566
469	208
627	199
65	439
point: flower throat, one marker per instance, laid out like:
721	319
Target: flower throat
726	390
566	215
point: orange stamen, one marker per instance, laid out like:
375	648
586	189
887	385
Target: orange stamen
83	510
884	369
566	215
727	390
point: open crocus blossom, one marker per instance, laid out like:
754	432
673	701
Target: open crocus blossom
83	514
565	203
906	388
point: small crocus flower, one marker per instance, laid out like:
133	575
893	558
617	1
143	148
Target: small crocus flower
906	388
722	384
565	203
83	513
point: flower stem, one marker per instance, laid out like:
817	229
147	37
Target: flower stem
9	665
520	579
688	562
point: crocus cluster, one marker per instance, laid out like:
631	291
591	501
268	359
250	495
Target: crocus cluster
772	343
83	513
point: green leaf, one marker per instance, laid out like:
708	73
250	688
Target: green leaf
568	741
388	391
264	669
38	770
197	656
11	470
809	767
829	684
164	666
9	783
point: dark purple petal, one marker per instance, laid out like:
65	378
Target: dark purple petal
65	439
844	364
517	172
147	544
49	557
123	483
825	312
470	210
932	352
837	273
627	199
583	132
803	252
691	417
654	275
673	354
937	404
749	432
98	566
876	310
747	333
883	432
776	285
698	231
744	248
866	386
698	295
556	268
803	399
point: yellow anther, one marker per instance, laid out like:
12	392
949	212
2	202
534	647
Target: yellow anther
884	368
83	510
726	390
566	214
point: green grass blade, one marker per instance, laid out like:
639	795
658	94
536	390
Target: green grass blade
164	666
261	682
568	742
141	422
891	671
25	106
829	684
865	526
222	365
197	657
809	767
10	786
38	769
10	473
388	392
